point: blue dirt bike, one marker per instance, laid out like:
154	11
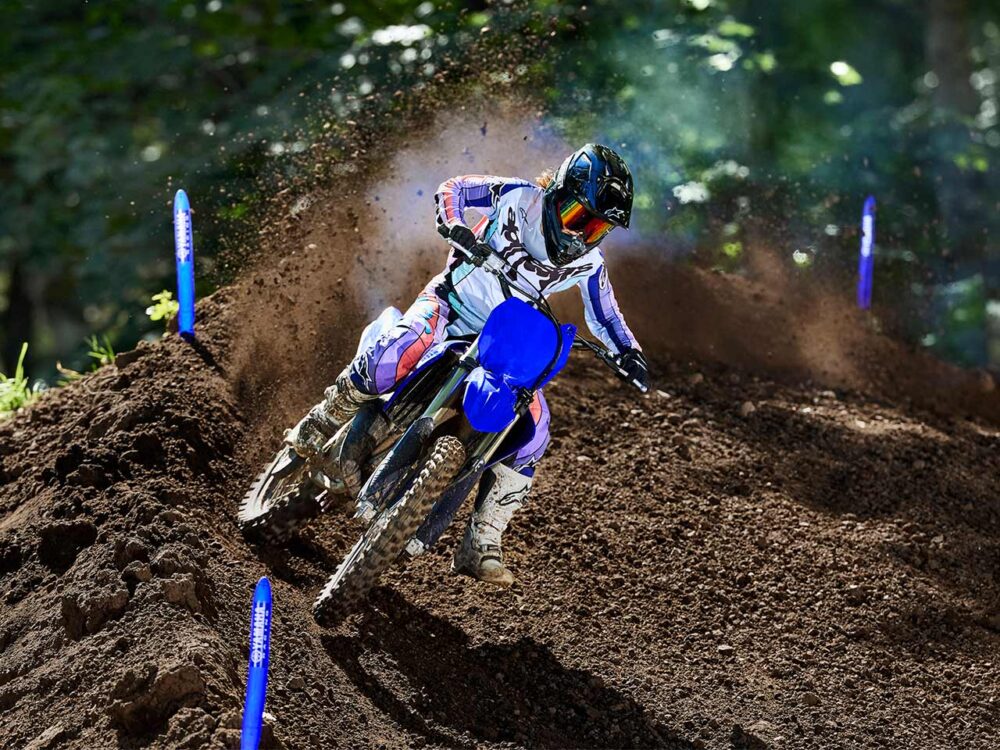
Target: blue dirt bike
406	462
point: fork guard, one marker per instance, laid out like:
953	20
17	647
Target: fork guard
382	485
444	510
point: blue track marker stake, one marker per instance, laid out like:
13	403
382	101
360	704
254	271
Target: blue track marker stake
184	257
866	259
260	646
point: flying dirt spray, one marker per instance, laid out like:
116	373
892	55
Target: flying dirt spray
260	646
184	257
866	259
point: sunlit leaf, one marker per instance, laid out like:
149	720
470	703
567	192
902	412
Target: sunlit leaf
478	19
845	73
714	43
721	62
732	27
765	61
733	249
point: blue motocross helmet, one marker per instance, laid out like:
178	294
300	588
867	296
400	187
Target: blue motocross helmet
590	195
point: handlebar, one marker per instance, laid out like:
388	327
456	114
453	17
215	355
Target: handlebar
610	360
496	264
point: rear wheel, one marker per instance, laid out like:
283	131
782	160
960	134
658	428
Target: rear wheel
280	501
389	532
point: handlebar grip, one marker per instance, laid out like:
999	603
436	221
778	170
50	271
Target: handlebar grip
620	371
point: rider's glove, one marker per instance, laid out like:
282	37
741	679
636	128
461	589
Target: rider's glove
462	236
465	238
634	363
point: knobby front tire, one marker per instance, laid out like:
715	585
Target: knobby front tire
387	536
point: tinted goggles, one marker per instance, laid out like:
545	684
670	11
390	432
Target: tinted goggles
578	221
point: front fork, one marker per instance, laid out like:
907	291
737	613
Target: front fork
439	410
383	483
481	454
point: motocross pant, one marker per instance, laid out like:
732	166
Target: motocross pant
397	351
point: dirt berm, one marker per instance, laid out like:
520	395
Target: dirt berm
768	550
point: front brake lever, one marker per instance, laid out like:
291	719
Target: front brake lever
622	373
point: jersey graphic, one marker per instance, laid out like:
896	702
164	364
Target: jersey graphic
547	275
512	211
511	233
521	261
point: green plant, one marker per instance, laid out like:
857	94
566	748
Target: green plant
165	307
15	391
66	374
101	351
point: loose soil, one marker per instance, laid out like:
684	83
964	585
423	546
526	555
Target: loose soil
762	552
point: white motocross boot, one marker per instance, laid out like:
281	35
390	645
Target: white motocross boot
502	492
341	401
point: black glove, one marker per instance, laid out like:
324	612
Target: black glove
462	236
465	238
634	363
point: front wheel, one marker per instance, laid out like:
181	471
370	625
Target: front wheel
390	531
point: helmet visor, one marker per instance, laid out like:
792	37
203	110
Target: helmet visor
579	222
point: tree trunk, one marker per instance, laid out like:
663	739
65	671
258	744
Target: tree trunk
947	44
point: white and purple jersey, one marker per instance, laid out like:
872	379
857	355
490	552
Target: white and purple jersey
512	225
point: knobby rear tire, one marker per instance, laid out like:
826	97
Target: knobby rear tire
264	518
387	536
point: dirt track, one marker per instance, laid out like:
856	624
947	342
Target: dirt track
819	570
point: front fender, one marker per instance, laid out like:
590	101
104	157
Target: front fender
489	403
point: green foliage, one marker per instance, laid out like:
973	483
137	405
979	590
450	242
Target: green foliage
67	375
845	73
107	108
815	116
164	307
15	392
101	351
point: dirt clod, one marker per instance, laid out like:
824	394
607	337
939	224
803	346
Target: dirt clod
60	542
145	711
88	611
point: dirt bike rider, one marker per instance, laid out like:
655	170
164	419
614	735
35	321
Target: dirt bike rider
549	231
